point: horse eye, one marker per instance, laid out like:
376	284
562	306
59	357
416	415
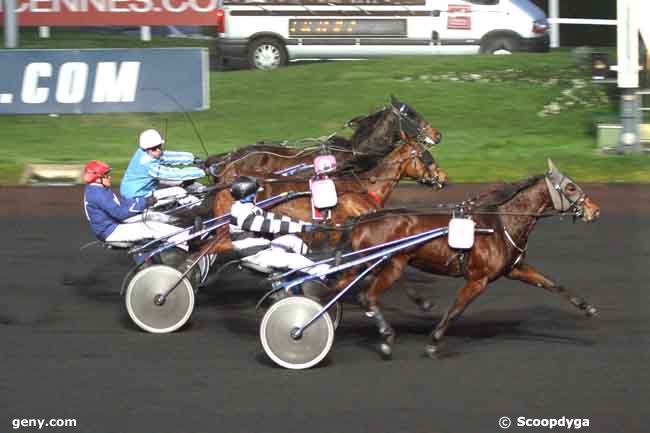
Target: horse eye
570	187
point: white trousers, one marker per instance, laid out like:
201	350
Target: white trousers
175	194
136	229
277	256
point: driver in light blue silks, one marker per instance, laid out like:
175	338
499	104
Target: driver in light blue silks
150	165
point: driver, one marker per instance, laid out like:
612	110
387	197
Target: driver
150	165
119	219
251	227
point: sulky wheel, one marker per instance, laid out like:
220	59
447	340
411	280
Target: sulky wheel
148	310
130	274
318	291
287	315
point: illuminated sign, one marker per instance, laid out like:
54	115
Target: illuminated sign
347	27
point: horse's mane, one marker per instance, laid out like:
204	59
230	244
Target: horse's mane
369	152
365	126
492	198
501	193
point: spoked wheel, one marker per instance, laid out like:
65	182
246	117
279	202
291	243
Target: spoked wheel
288	351
148	310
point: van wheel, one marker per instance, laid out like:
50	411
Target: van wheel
266	54
501	45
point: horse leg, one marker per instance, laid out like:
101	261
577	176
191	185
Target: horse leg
528	274
470	291
425	304
389	273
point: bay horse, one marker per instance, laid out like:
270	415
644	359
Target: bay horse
511	211
381	130
359	189
358	193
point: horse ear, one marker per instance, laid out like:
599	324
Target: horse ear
551	167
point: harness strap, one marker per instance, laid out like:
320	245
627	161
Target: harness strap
375	198
521	251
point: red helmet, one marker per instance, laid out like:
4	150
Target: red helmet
94	170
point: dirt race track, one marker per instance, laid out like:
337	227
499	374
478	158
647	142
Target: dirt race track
70	351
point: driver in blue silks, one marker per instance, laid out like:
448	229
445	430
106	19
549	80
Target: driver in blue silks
119	219
150	165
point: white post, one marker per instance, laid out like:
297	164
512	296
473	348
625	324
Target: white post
44	32
627	14
11	24
145	33
554	14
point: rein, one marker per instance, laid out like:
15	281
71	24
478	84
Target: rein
351	175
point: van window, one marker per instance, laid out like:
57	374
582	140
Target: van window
338	2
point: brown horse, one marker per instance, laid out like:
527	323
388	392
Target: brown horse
378	132
511	211
359	191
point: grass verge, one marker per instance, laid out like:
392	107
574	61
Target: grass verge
501	116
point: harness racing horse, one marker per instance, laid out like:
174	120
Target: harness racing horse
358	191
511	211
376	132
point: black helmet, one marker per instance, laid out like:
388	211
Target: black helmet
243	186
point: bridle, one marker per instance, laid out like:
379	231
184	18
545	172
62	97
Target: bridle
410	128
561	201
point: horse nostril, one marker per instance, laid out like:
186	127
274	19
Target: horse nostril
438	137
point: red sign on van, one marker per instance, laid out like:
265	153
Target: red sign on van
456	21
56	13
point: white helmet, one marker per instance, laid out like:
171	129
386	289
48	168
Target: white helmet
150	138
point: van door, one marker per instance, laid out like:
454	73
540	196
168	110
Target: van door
362	29
436	23
409	29
464	24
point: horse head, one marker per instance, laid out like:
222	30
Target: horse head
379	132
422	166
567	196
412	124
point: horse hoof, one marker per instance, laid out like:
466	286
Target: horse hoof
591	311
386	351
431	351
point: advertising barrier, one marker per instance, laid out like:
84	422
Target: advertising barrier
104	80
55	13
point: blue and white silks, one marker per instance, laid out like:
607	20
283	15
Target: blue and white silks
105	211
144	172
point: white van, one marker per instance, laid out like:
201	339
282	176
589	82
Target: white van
270	33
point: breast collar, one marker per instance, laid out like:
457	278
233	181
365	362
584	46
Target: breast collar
522	251
375	198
